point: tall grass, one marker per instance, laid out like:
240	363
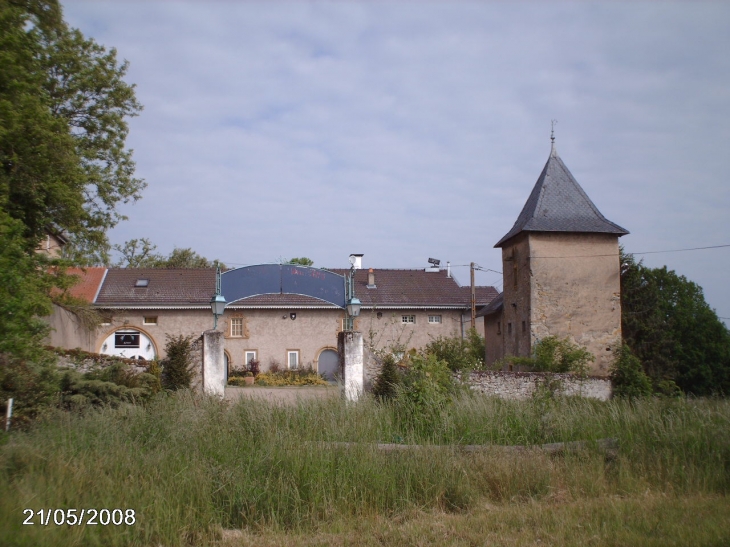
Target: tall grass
192	466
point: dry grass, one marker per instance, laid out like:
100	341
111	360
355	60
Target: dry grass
647	520
192	467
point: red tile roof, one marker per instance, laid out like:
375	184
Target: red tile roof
89	281
166	287
419	288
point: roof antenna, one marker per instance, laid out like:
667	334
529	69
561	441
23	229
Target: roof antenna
552	135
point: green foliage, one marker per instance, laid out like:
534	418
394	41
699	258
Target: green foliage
34	388
553	354
301	261
461	354
25	289
287	377
427	383
110	386
386	384
139	253
177	370
627	376
63	111
672	330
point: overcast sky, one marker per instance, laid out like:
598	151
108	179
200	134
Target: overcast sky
409	130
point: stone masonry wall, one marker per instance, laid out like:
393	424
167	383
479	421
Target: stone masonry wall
522	385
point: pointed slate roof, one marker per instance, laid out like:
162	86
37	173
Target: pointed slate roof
558	204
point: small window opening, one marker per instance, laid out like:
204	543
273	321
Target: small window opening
142	283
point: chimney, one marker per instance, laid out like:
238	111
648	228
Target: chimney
371	279
448	270
356	261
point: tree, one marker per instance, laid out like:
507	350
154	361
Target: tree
139	253
301	261
672	330
63	164
63	111
176	367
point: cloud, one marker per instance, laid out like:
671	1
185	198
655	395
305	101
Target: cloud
409	130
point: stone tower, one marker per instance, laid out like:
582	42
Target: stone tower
561	271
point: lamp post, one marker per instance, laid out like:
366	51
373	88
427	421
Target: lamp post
217	303
353	303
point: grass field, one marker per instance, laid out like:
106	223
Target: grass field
202	472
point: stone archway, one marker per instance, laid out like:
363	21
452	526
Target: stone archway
129	342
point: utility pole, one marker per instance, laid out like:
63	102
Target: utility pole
473	298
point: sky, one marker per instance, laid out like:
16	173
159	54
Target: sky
415	130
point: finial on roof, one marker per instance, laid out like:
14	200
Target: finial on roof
552	136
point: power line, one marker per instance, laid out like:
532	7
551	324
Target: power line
641	253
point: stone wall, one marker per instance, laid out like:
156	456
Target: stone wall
522	385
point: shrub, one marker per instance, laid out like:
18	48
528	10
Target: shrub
176	368
254	367
460	354
553	354
299	377
386	384
627	375
427	381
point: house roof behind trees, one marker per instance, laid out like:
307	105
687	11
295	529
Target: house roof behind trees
157	286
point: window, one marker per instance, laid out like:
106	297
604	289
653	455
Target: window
293	358
524	326
499	327
249	355
237	326
408	319
142	283
434	319
150	320
509	328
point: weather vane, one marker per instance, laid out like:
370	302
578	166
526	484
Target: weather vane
552	130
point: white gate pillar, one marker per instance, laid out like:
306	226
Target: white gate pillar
214	364
350	348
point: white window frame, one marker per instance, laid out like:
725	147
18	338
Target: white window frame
434	319
247	353
289	354
236	321
408	319
150	320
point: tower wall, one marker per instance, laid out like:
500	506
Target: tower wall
517	287
574	291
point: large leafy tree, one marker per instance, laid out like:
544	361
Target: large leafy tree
669	326
63	123
63	161
140	253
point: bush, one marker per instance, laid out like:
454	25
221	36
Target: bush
298	377
627	375
177	367
427	382
386	384
460	354
553	354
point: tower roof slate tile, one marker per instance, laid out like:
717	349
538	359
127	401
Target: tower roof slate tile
558	204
